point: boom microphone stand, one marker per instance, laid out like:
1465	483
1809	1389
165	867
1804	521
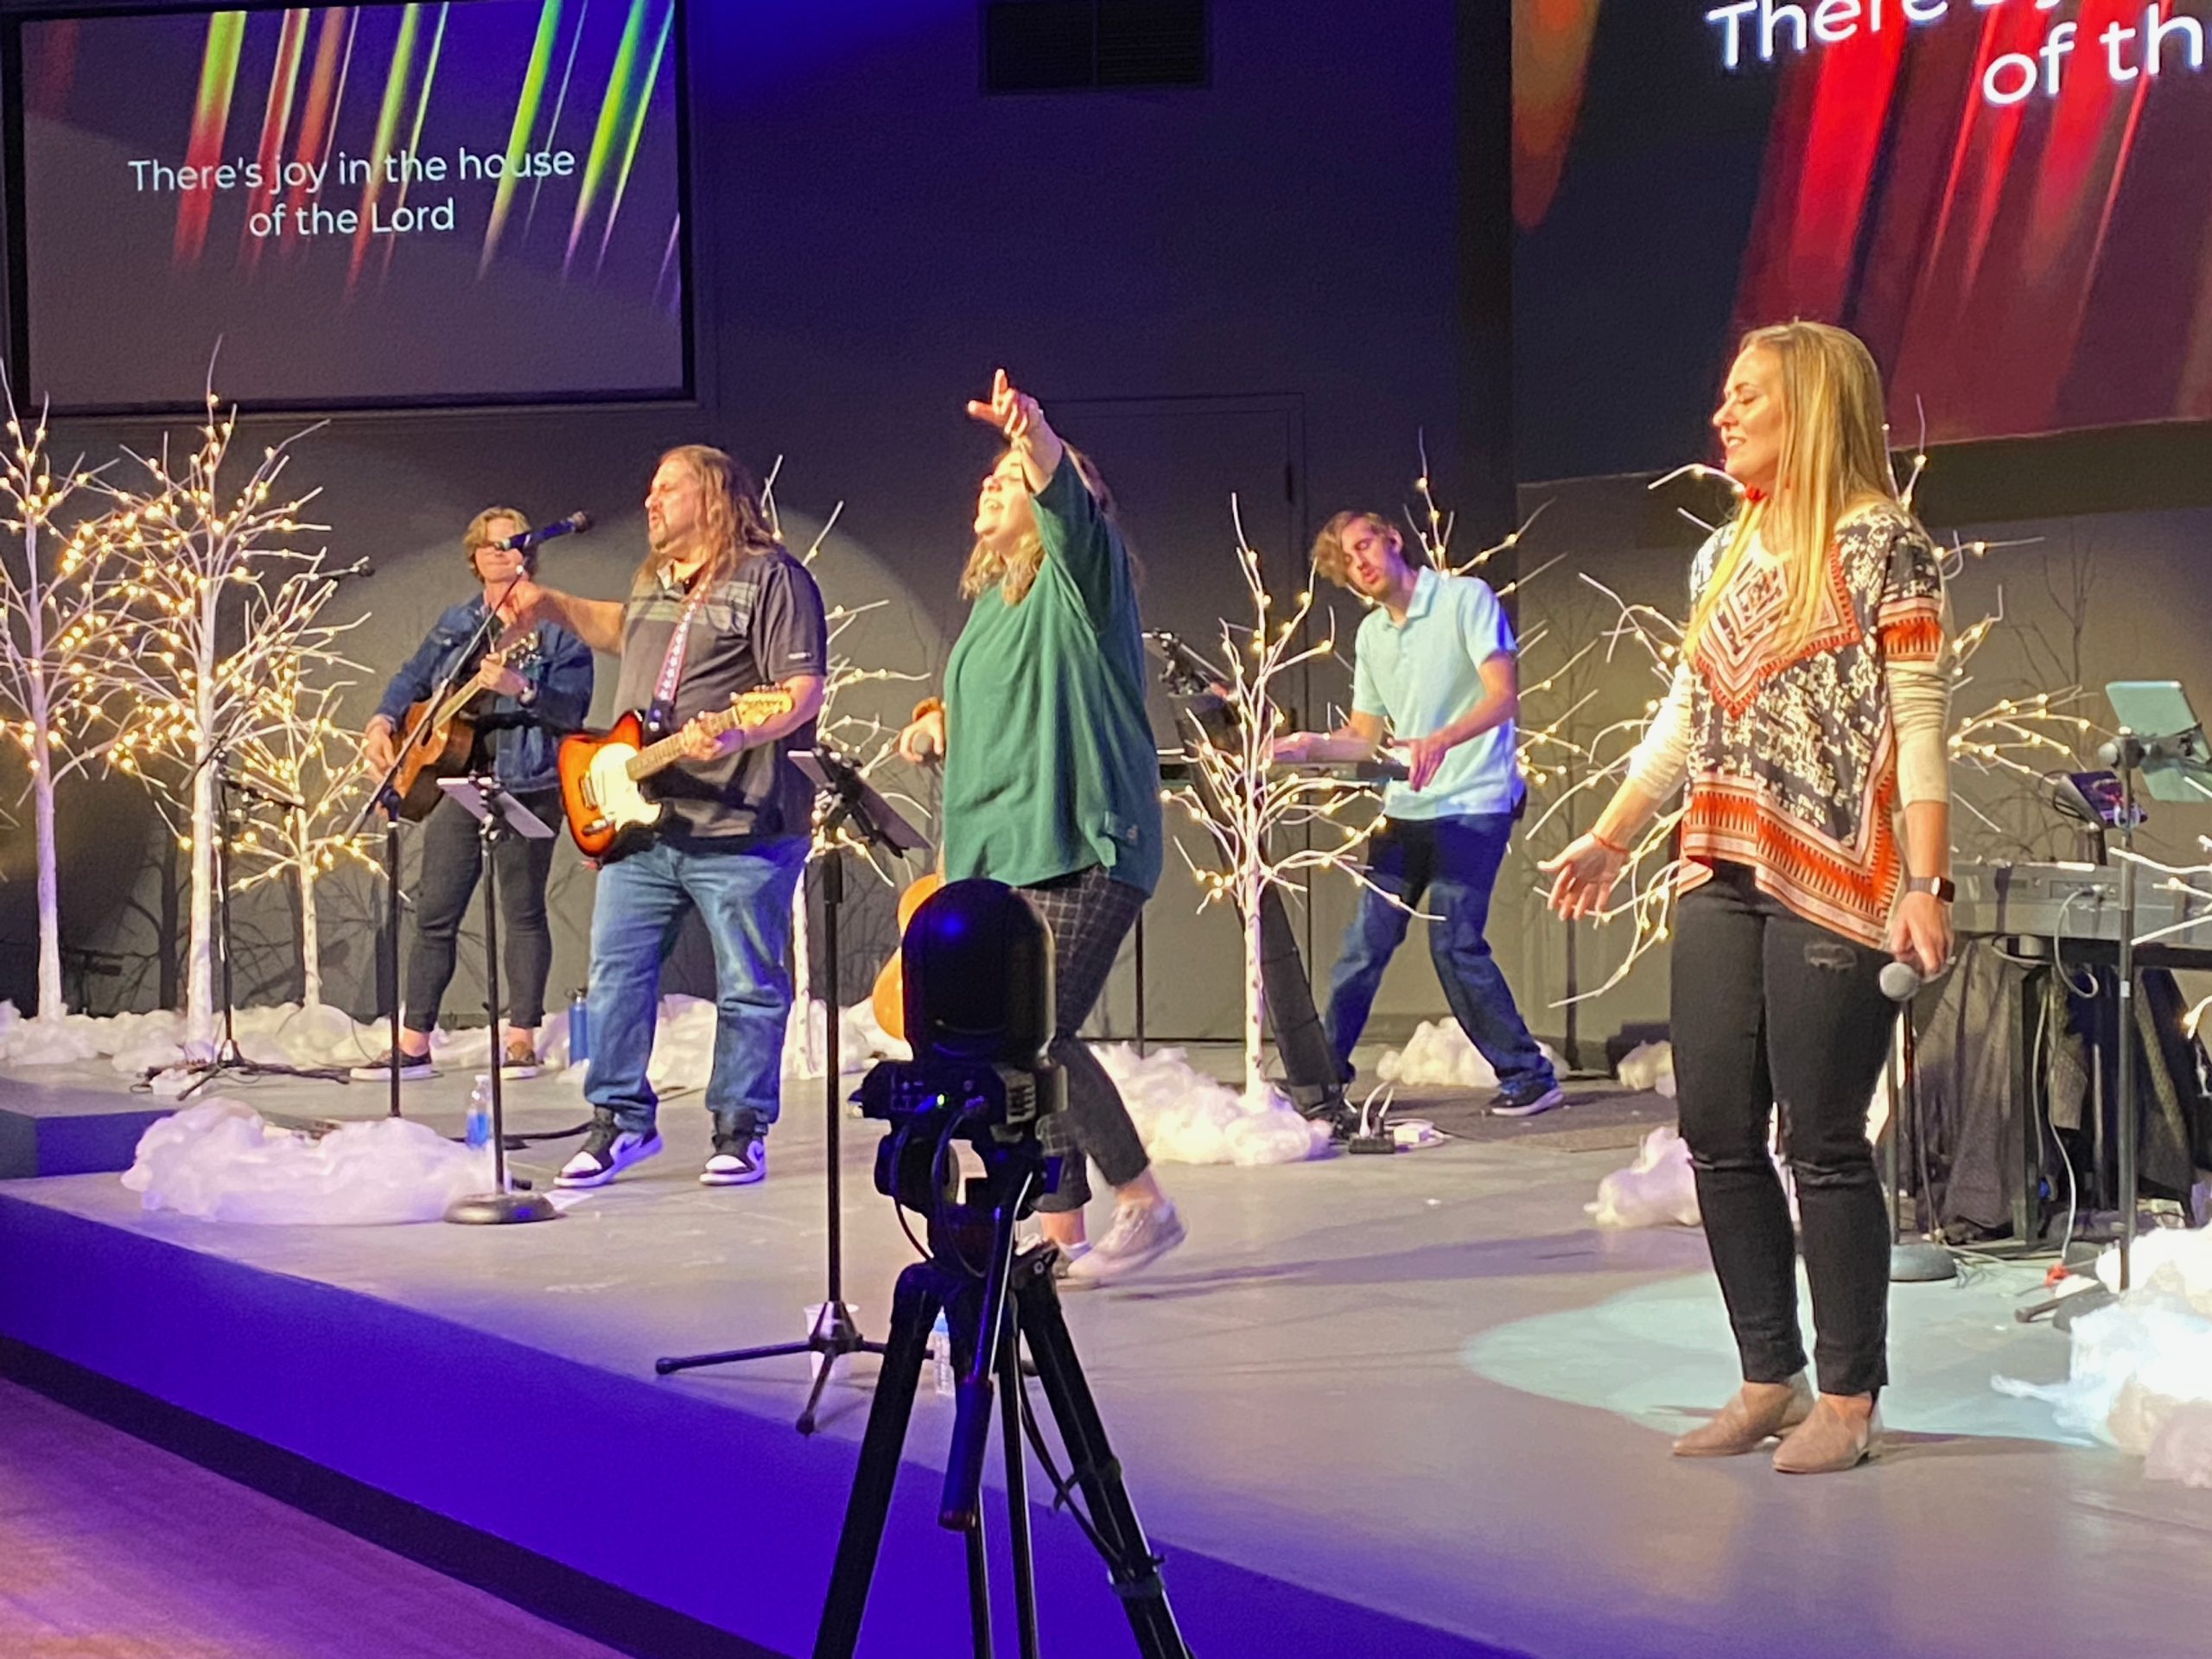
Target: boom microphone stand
229	1059
849	813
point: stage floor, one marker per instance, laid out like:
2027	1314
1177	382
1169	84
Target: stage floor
1420	1385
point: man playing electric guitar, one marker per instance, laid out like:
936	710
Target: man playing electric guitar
517	704
718	609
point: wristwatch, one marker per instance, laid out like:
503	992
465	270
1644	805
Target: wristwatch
1942	886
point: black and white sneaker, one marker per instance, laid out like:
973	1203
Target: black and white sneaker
740	1155
1527	1098
608	1151
413	1068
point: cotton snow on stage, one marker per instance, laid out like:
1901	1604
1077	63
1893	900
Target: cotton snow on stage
1412	1406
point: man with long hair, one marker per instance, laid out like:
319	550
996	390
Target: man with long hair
718	609
527	698
1434	663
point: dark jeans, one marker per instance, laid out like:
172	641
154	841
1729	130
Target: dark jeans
451	864
1772	1011
743	893
1446	868
1089	914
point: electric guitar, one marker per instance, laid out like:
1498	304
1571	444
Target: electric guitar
445	744
601	772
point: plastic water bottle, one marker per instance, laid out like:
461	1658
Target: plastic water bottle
579	1029
941	1355
479	1119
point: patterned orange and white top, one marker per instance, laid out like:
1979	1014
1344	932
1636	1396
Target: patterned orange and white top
1793	758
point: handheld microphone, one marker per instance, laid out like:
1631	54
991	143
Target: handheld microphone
574	525
1900	981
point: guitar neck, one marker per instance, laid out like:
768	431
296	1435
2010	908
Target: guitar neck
656	757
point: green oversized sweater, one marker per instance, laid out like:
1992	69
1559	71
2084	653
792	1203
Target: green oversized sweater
1050	764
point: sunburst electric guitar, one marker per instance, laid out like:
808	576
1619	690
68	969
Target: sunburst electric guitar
602	772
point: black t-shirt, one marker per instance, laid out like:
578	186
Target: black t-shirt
762	625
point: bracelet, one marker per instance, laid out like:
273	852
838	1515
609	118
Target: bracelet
1618	852
929	706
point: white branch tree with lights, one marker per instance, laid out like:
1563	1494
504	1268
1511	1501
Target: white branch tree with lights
305	756
53	605
1253	809
219	644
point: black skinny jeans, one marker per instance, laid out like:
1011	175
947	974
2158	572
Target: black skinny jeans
451	864
1772	1011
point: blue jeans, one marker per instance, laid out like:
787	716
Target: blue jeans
1446	869
744	895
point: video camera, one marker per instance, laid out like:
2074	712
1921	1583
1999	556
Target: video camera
978	968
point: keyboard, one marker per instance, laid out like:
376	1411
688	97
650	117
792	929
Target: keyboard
2074	901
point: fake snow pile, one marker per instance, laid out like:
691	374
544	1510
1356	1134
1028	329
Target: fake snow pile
2141	1374
1657	1190
1186	1117
1649	1068
41	1042
219	1161
1439	1053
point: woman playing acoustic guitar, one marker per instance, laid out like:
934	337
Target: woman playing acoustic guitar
525	701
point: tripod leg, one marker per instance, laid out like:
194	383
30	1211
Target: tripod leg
979	1586
1135	1568
1017	1489
913	1311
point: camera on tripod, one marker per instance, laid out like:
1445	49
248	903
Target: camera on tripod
978	994
978	968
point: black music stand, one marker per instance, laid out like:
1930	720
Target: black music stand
497	814
2175	767
848	812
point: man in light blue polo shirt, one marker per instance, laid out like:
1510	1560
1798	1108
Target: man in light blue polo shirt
1434	665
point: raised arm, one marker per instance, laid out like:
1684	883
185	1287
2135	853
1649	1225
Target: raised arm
597	622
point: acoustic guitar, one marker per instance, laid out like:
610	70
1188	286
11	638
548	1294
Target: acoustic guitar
889	997
445	744
601	772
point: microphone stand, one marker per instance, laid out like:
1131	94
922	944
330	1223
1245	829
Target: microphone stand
1918	1260
229	1059
847	805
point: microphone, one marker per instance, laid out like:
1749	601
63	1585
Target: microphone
574	525
1900	981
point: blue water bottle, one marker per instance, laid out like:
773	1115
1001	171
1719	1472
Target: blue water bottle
480	1113
579	1030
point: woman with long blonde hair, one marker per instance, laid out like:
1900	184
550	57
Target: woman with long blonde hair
1052	785
1807	713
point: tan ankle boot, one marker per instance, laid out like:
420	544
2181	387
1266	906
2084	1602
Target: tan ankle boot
1740	1427
1828	1442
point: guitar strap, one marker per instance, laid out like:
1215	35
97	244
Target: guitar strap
661	715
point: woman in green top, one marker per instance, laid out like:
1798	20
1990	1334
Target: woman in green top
1051	784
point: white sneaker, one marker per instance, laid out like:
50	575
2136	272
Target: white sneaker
607	1152
1140	1235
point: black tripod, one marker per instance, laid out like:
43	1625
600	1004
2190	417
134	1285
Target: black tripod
229	1059
850	813
991	1312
